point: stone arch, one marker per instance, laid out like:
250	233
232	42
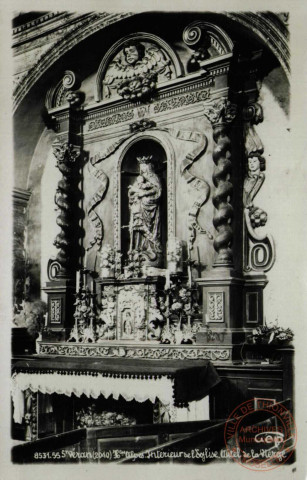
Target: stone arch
266	26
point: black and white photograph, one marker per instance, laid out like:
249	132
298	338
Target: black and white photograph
157	225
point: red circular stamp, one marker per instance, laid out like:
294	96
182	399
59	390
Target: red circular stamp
260	434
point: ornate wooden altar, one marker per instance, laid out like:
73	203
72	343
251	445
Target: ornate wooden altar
161	251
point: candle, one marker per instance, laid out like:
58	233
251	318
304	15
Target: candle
167	310
85	259
93	285
84	278
167	279
77	279
207	318
190	276
189	268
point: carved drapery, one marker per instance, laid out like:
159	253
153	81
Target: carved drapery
221	114
66	155
259	250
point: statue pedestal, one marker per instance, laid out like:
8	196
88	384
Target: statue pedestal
60	309
222	299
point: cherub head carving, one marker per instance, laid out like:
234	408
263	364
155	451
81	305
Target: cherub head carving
134	51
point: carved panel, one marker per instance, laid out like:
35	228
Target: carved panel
131	313
181	101
133	351
252	313
56	310
215	306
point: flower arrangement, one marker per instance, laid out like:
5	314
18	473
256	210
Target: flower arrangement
180	308
107	261
89	417
271	334
174	254
133	268
107	256
31	316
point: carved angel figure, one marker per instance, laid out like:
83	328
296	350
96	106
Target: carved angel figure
136	70
252	184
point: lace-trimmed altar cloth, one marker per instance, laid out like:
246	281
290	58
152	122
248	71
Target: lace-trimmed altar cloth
171	382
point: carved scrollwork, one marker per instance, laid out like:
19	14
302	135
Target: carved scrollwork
259	250
150	351
65	92
206	40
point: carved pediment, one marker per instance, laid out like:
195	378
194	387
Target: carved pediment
134	68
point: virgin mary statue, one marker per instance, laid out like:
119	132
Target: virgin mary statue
144	203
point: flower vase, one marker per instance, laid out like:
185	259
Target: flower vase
107	272
178	336
39	339
172	266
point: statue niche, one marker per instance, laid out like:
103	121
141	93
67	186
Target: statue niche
143	208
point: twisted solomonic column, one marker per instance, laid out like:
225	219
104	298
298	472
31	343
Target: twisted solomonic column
221	114
66	155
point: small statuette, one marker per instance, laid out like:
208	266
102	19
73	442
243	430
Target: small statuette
174	255
107	261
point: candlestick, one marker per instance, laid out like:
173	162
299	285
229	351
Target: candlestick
85	259
167	279
189	269
84	275
93	285
167	310
190	276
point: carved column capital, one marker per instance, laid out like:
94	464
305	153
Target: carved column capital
65	153
221	111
